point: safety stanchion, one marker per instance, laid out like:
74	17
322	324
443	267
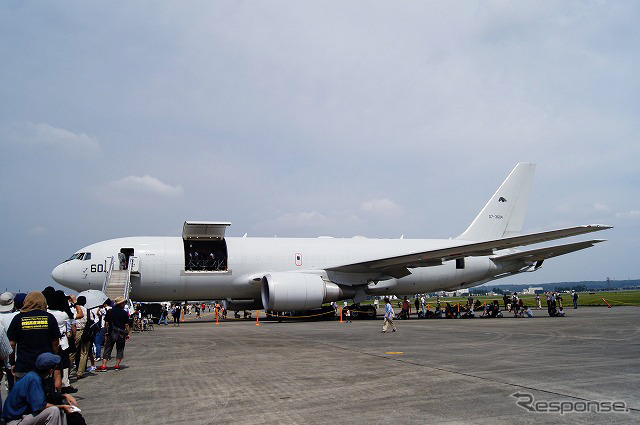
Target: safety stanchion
217	317
458	310
340	314
182	309
257	317
605	301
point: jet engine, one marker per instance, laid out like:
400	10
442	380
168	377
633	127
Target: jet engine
300	291
240	305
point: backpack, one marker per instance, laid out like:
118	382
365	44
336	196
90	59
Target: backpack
91	329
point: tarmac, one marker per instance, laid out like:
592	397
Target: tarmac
325	372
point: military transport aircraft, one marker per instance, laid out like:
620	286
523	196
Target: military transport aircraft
294	274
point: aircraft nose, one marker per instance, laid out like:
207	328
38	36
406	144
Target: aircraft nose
58	273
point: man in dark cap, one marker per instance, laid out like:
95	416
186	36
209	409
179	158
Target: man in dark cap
26	404
18	300
32	332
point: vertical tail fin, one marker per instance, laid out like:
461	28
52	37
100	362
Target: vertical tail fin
504	213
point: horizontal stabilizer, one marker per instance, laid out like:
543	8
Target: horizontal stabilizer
542	254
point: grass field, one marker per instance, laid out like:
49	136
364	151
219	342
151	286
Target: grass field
614	298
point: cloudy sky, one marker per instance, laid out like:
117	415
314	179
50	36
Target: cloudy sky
294	118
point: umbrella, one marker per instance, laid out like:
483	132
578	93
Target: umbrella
94	298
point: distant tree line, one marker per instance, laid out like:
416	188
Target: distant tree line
563	286
577	288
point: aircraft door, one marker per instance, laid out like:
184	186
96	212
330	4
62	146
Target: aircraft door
123	257
205	249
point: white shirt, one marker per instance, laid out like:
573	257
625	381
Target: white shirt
83	321
99	316
63	320
6	318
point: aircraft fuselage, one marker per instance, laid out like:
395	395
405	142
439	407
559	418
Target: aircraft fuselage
163	274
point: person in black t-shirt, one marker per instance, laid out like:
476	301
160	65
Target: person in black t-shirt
117	324
32	332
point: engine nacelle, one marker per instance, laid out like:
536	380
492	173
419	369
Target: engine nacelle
299	291
241	305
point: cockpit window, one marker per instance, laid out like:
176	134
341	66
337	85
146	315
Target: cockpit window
73	257
79	256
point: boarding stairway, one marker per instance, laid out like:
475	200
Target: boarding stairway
117	283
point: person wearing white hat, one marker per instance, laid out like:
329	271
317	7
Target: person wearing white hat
6	302
7	312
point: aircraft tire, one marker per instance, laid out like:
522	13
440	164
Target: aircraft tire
354	311
372	313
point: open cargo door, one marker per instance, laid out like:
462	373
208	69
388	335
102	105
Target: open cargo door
205	249
204	229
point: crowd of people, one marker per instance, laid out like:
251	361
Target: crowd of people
47	337
513	304
176	311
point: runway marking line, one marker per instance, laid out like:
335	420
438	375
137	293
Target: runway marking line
394	352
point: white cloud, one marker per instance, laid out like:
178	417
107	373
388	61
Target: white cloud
563	208
312	223
144	185
629	214
601	207
383	206
43	134
38	230
303	219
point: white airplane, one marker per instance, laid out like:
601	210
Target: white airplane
294	274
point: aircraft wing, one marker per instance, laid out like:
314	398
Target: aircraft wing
542	254
398	266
